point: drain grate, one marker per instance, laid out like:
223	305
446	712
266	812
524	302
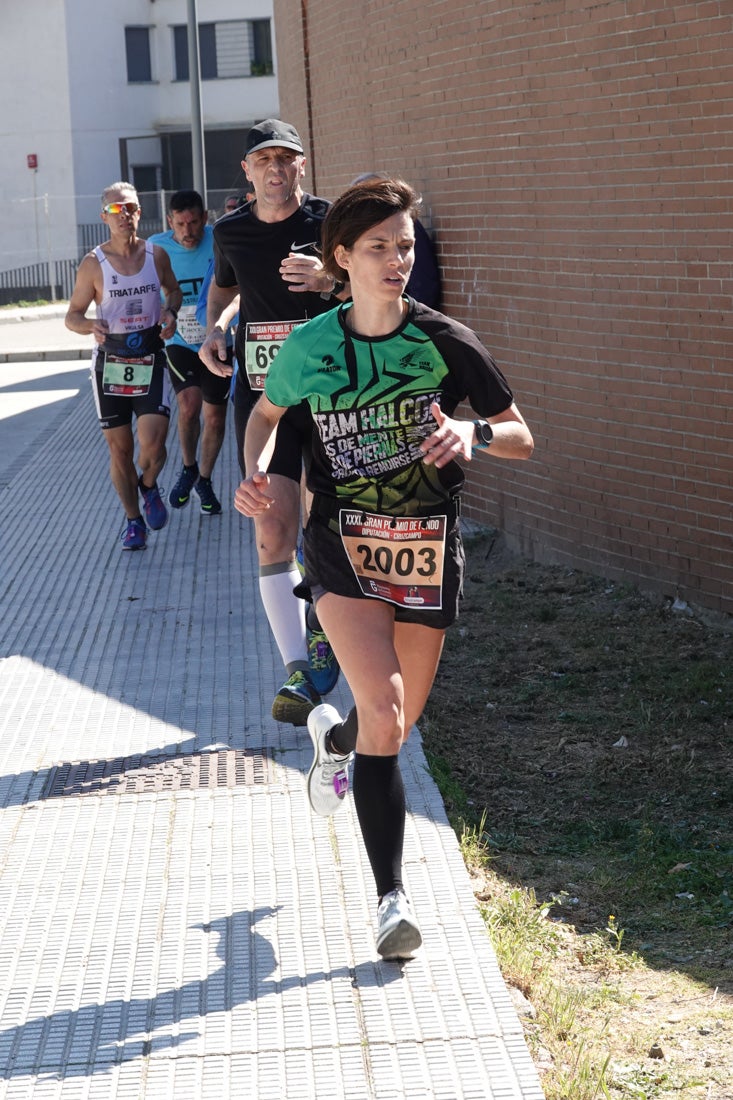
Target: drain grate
141	774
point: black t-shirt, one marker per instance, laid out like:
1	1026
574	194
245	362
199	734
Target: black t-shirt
248	253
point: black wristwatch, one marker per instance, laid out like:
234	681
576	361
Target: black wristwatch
483	433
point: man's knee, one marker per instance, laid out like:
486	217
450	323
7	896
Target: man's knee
121	444
381	724
152	436
189	403
276	538
215	415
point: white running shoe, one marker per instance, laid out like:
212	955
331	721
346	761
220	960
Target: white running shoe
398	935
328	778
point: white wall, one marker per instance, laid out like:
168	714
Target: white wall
35	119
64	74
104	106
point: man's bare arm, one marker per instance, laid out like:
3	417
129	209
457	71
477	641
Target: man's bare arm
171	289
84	293
220	308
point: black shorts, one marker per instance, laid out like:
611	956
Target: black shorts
114	411
186	370
328	569
293	443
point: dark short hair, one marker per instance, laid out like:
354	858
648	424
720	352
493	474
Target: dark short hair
359	208
185	200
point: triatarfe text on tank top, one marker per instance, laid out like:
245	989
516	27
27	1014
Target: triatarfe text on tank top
125	292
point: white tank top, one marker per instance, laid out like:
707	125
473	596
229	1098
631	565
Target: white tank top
129	302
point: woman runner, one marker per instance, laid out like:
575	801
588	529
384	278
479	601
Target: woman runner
383	376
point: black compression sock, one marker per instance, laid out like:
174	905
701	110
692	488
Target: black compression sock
379	799
341	738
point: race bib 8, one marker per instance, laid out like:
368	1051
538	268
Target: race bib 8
127	377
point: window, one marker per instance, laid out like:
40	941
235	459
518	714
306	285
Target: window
180	53
261	47
137	50
146	177
177	169
230	49
207	52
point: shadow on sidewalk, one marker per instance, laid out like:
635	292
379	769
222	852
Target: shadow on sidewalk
96	1037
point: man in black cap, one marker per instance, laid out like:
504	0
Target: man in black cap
267	254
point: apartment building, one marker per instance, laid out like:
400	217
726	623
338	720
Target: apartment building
96	92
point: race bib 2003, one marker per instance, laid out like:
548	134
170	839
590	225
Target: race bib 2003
396	558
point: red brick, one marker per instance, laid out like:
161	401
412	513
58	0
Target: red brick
574	159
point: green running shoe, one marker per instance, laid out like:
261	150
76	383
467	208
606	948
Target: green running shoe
295	700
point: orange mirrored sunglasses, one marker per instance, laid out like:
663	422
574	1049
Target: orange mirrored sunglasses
120	208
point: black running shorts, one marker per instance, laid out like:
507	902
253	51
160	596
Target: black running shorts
294	434
114	411
328	569
186	370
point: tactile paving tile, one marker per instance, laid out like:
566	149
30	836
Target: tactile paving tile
169	925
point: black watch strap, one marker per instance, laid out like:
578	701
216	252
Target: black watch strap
483	433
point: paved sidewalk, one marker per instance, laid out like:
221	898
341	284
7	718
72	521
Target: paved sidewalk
33	334
174	921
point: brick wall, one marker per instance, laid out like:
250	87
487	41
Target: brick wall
575	162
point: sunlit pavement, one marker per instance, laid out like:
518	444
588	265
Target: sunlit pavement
174	920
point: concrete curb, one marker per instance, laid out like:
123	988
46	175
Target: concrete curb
44	355
45	344
15	314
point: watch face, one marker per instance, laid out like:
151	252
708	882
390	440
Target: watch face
484	431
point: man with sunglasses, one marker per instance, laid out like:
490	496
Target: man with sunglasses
266	252
202	396
124	278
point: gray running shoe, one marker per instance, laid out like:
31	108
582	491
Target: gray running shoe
398	935
328	778
295	700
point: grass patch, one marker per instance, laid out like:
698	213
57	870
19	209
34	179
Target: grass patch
580	733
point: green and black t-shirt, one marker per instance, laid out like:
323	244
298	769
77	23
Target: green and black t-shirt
370	400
